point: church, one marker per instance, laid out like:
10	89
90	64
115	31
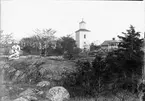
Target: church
82	36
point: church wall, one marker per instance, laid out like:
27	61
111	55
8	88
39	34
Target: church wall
78	39
82	39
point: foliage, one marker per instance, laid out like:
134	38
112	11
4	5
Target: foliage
119	70
131	47
42	41
78	82
94	47
6	41
28	45
67	46
88	78
125	64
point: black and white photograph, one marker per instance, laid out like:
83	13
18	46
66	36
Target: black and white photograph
72	50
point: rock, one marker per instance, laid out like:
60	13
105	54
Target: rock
5	98
57	93
21	99
28	92
43	83
40	92
31	98
17	74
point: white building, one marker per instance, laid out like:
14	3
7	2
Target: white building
82	35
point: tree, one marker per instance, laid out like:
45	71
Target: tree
67	43
42	41
131	47
45	38
94	47
125	64
68	47
131	43
5	41
99	72
29	45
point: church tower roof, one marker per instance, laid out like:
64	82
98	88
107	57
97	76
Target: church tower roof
82	21
82	26
82	30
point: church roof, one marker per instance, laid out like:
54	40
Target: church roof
82	21
83	30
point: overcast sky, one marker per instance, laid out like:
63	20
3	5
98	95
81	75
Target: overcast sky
105	19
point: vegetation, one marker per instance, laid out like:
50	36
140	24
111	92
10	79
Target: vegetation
113	74
68	48
120	70
45	44
39	43
6	41
94	47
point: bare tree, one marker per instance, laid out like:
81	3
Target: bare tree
45	38
8	39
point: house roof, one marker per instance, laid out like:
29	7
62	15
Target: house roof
83	30
109	42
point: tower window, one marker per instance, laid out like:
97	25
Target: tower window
84	36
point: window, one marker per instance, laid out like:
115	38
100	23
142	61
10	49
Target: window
84	36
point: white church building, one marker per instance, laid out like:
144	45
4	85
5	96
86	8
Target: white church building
82	35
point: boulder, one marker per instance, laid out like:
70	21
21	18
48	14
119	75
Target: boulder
21	99
5	98
43	83
17	74
30	98
57	93
28	92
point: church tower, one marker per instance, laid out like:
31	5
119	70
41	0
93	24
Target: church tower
82	35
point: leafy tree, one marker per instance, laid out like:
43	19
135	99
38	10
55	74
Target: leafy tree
45	38
29	45
41	42
67	45
94	47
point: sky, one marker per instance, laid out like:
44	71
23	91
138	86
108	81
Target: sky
105	19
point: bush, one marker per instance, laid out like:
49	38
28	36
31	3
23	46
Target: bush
80	82
74	54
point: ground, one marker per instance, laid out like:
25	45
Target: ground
56	67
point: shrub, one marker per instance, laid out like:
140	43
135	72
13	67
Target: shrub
80	82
